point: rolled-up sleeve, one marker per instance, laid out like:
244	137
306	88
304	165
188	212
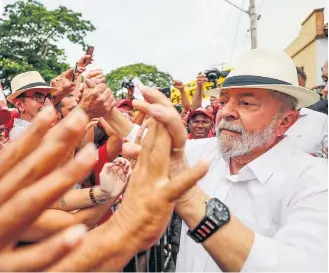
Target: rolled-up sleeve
133	133
300	245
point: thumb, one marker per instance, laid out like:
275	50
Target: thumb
90	83
68	73
131	150
185	180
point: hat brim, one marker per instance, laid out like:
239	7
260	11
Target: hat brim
196	112
305	97
14	95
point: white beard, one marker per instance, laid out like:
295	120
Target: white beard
240	145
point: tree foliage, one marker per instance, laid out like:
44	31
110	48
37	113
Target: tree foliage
148	74
29	38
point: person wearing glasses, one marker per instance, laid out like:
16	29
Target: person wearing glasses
200	122
30	93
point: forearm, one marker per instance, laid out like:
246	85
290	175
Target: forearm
91	216
114	147
230	245
197	99
185	101
119	123
78	199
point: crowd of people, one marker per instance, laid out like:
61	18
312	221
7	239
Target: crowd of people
88	181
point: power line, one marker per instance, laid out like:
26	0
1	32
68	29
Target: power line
236	32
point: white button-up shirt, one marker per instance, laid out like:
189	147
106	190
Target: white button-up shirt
20	125
310	132
282	196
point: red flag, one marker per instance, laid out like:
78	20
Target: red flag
3	102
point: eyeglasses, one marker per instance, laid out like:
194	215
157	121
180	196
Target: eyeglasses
40	98
202	122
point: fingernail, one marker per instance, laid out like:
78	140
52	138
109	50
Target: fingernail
77	118
88	152
74	234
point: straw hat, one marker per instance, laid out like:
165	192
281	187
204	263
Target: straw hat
267	69
27	81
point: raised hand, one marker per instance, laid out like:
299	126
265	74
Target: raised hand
32	179
97	76
201	80
179	85
114	177
97	100
150	196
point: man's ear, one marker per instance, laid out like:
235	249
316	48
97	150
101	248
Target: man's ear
286	121
19	105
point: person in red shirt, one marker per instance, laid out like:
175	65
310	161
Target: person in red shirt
200	123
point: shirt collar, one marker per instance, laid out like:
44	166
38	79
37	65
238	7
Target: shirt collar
264	166
303	112
21	122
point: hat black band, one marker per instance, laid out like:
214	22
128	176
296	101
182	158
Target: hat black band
31	85
246	80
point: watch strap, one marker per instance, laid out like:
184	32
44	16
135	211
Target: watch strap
204	230
209	224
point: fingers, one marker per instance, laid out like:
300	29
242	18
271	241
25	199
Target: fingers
90	83
160	155
40	256
27	142
30	202
148	143
69	73
154	96
55	146
185	180
131	150
94	73
173	123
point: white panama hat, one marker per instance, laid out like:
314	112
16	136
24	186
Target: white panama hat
266	69
27	81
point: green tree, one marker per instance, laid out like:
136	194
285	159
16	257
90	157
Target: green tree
148	74
29	37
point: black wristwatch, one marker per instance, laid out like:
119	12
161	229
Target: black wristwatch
217	215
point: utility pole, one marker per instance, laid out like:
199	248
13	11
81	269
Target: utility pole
253	24
251	12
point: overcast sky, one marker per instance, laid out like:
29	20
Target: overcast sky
181	37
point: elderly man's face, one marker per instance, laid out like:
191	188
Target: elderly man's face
32	102
324	91
250	119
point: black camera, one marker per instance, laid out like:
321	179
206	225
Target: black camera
128	84
166	91
213	75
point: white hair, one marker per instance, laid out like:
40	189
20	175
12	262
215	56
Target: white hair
240	145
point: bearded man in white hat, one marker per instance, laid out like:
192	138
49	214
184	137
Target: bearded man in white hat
30	93
263	205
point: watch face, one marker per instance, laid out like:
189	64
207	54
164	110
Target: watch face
217	210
